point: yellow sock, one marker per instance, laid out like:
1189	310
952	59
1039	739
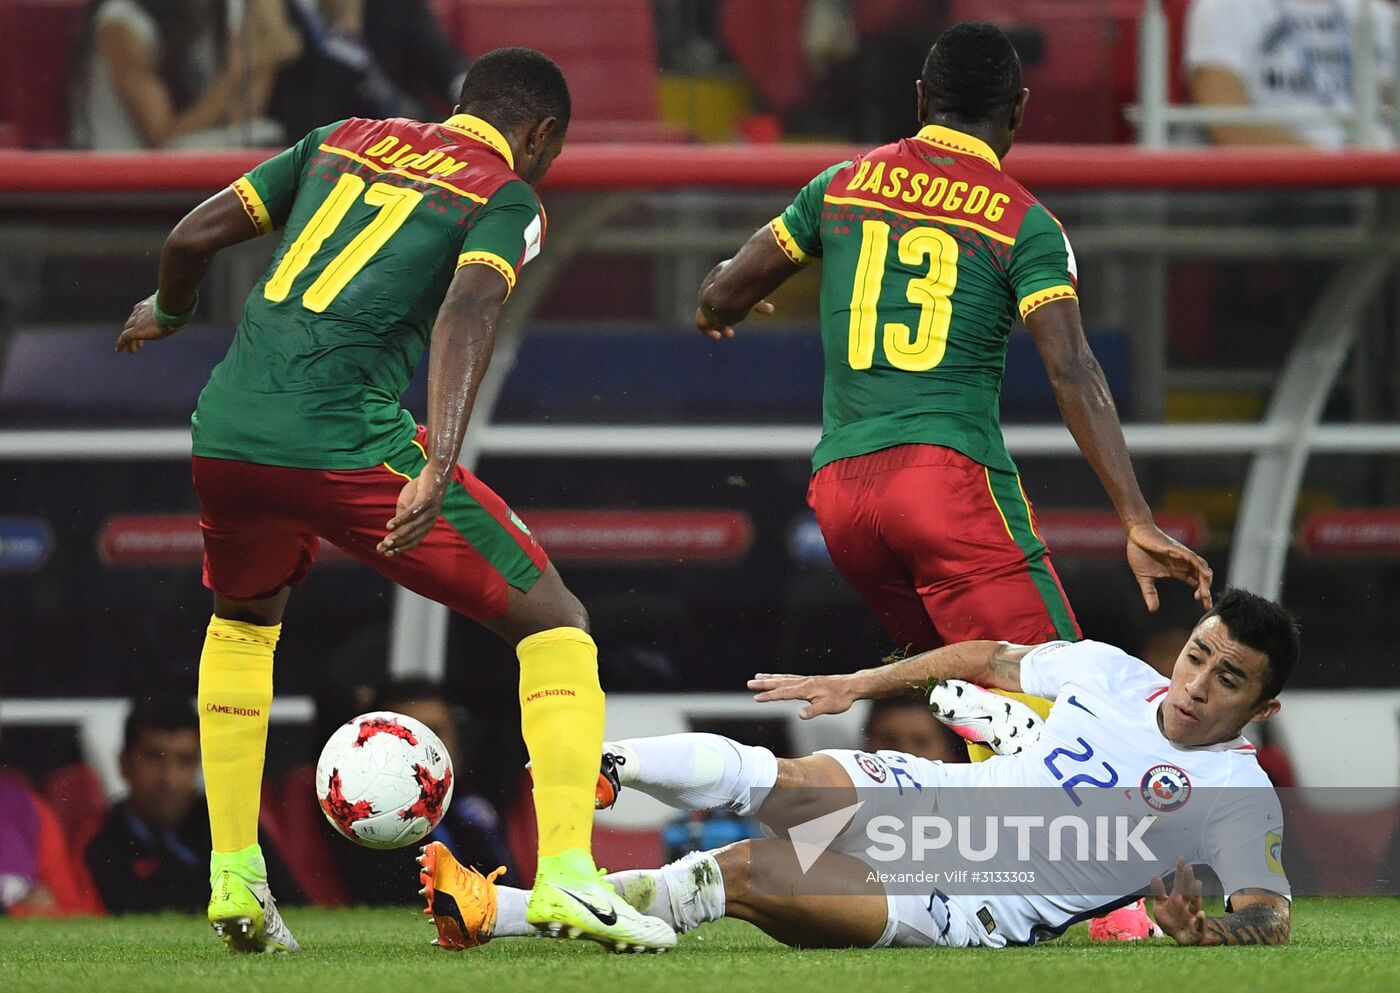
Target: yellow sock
561	717
235	695
980	753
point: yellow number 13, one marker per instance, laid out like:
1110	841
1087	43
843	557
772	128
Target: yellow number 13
922	349
395	203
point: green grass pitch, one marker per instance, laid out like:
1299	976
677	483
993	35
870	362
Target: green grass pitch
1338	944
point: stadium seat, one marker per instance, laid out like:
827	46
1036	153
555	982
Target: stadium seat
302	840
627	848
607	49
765	38
1072	97
448	14
78	800
37	37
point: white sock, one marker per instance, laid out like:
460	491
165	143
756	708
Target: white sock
697	771
684	894
510	913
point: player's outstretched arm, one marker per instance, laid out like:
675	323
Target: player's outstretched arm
737	287
993	664
1088	411
1259	917
216	224
462	340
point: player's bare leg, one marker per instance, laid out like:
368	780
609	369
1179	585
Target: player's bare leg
832	905
764	885
561	718
235	695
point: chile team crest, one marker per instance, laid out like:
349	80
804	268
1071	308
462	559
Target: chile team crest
1165	788
872	766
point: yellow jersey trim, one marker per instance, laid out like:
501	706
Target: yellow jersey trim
253	204
958	142
1041	297
1000	513
956	221
482	131
787	242
494	261
419	177
1030	515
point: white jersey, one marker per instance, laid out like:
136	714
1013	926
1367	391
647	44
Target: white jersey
1101	749
1292	53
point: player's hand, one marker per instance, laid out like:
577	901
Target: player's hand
824	694
420	502
1154	555
141	327
719	327
1179	914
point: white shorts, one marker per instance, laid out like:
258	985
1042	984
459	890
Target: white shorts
912	920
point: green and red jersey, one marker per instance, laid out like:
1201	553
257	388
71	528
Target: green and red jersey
378	217
929	253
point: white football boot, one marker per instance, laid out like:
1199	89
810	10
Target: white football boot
1006	726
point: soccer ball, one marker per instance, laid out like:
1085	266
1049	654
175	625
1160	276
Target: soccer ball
384	780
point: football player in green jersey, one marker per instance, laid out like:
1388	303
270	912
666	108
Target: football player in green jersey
929	253
394	232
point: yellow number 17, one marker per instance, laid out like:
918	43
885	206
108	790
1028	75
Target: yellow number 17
395	203
922	349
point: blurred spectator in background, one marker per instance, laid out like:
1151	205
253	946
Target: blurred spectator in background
37	876
904	724
367	58
471	827
860	55
1161	648
179	73
1283	53
152	852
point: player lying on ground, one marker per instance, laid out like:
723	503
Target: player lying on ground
1110	708
395	232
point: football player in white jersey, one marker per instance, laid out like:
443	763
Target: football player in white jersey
1115	723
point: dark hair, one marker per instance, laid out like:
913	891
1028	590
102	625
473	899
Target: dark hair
890	704
159	712
1266	627
409	689
972	73
514	86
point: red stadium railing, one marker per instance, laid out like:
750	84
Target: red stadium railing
592	167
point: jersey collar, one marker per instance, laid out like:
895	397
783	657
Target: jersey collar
482	131
1240	743
959	142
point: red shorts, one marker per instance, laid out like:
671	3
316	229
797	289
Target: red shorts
943	548
262	526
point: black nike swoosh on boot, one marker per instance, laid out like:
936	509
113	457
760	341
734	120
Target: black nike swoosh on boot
607	918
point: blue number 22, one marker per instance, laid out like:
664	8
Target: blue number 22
1079	779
